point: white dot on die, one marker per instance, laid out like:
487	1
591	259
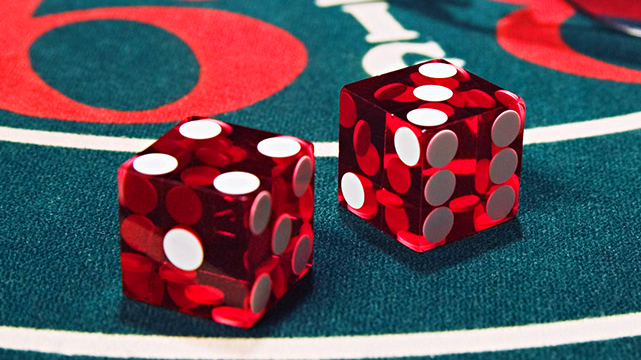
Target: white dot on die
437	70
282	234
260	293
236	183
438	224
183	249
500	202
155	164
302	175
440	187
279	147
352	190
301	254
503	165
200	129
407	146
427	117
433	93
442	148
505	128
260	212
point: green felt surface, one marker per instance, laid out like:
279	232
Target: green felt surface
572	253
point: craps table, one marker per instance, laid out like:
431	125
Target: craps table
86	84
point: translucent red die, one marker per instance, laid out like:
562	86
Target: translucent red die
216	220
430	153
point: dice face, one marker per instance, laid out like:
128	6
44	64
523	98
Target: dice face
216	220
430	153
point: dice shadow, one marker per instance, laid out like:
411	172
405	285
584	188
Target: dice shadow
151	319
442	257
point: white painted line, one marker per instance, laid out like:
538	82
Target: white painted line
545	134
333	347
583	129
69	140
326	149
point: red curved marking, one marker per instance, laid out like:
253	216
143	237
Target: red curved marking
242	60
534	34
624	9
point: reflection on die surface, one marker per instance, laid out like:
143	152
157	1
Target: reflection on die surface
430	153
216	220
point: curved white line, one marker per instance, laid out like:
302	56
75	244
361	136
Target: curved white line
583	129
545	134
69	140
334	347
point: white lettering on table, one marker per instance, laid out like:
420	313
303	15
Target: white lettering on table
383	28
380	24
326	3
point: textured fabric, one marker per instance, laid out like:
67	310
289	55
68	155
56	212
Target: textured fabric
573	252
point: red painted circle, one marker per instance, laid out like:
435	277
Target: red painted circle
306	229
138	194
390	91
521	34
236	154
156	289
177	149
407	96
306	204
482	179
279	280
479	98
347	116
447	109
398	175
505	97
449	83
135	263
418	79
396	219
177	294
388	198
464	203
512	100
416	242
457	100
242	61
199	175
139	232
204	294
482	220
220	142
370	162
365	212
362	137
461	75
227	129
146	287
184	205
175	275
213	156
411	240
234	316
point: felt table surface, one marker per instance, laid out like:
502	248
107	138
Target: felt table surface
84	84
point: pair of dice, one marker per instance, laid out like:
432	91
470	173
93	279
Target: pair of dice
216	220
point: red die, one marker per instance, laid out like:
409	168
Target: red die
430	153
216	220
